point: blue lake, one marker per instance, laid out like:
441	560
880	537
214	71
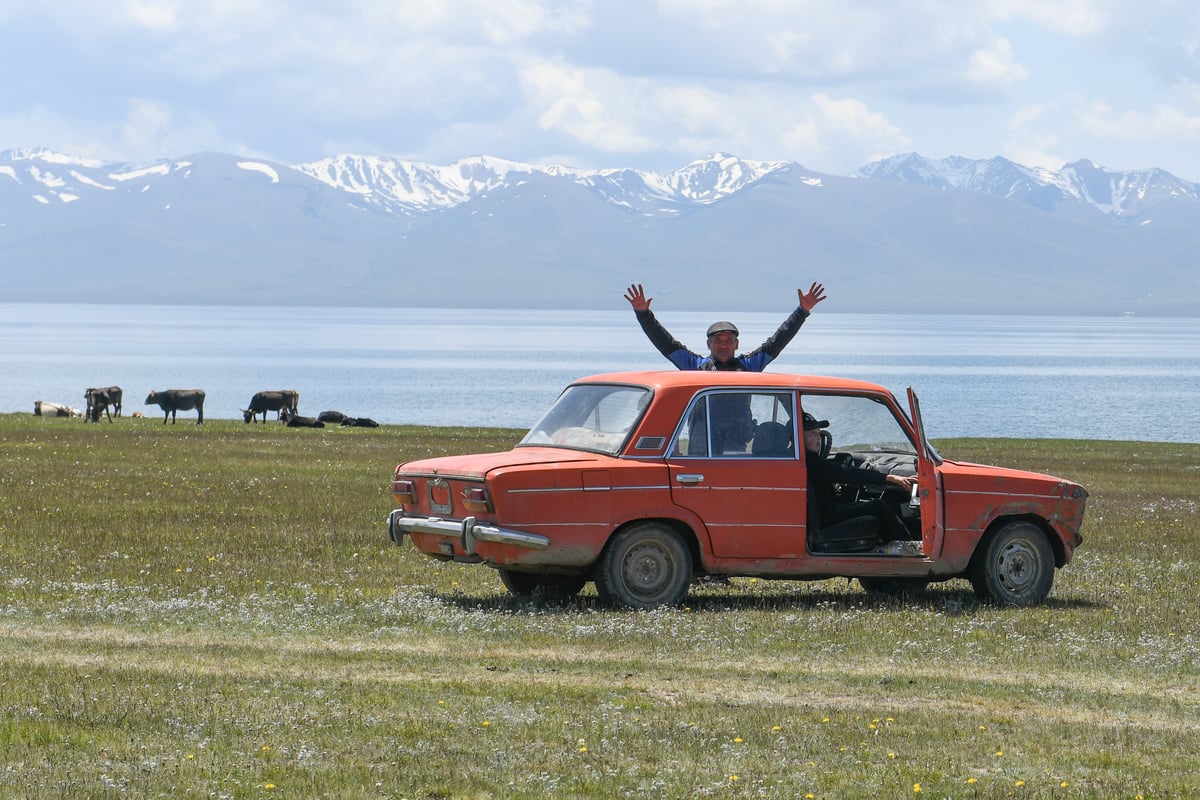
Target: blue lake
1075	377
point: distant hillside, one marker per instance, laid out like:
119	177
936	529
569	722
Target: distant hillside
904	234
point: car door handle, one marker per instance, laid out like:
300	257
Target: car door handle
689	477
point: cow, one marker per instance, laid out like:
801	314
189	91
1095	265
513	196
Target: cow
359	422
173	400
332	416
295	421
277	400
99	399
41	408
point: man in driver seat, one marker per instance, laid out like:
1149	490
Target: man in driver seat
823	473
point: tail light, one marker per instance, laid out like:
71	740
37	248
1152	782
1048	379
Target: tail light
476	499
403	492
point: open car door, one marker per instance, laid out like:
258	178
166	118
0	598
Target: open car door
928	492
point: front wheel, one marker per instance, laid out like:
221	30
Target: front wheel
529	584
1015	566
645	566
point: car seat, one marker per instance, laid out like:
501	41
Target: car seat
772	439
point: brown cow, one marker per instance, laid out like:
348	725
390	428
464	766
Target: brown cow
294	421
99	399
173	400
278	400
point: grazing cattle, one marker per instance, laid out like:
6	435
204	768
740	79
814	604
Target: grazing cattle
278	400
173	400
296	421
332	416
359	422
100	398
43	409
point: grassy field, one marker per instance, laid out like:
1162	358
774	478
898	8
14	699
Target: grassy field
216	612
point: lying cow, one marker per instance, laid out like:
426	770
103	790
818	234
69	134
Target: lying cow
296	421
100	398
174	400
277	400
359	422
332	416
41	408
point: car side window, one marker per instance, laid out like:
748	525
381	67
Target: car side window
737	424
864	432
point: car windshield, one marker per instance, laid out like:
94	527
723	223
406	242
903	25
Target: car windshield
590	416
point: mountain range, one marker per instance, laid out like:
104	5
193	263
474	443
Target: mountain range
904	234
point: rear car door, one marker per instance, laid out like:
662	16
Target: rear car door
734	462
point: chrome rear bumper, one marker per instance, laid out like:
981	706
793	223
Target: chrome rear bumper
469	531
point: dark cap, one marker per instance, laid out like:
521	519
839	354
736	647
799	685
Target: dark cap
722	327
811	423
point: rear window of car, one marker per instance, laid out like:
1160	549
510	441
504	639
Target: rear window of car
595	417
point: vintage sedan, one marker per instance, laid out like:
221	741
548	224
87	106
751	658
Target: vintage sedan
643	482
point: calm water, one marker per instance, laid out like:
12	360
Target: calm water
1076	377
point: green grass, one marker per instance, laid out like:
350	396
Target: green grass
216	612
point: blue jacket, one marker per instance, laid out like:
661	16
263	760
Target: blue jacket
754	361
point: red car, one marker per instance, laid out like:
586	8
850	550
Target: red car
645	481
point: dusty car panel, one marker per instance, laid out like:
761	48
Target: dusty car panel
641	482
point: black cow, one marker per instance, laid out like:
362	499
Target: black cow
173	400
99	399
295	421
359	422
332	416
277	400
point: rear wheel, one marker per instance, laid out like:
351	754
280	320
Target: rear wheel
645	566
1015	566
528	584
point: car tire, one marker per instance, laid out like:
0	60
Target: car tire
1014	566
529	584
647	565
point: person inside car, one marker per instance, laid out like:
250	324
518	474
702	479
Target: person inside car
824	472
722	337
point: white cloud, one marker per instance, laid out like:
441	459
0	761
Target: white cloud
604	82
993	64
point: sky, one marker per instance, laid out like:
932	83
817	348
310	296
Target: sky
596	84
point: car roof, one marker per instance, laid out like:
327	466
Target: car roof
664	379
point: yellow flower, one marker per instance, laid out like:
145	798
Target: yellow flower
269	786
733	777
737	740
1020	783
1064	784
970	780
487	723
916	788
891	755
776	728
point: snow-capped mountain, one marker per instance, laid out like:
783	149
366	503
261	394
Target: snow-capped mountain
902	234
423	188
1121	194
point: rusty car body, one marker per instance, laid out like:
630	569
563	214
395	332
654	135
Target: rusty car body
641	482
